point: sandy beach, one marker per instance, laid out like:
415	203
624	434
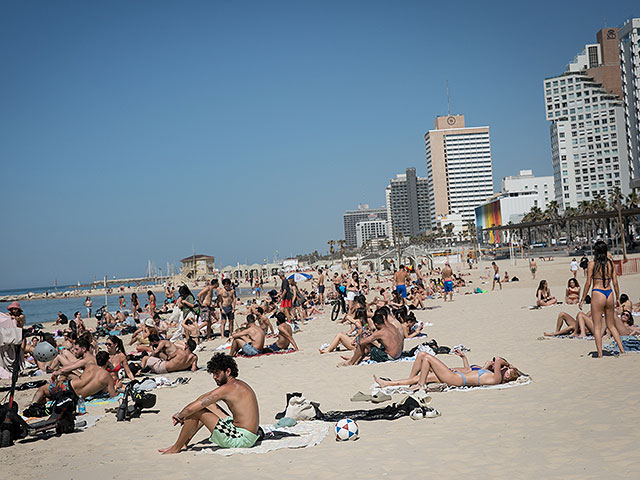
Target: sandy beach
577	419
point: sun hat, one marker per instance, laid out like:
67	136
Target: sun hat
149	322
14	305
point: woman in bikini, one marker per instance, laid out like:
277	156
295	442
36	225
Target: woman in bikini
429	369
603	275
117	358
572	294
543	295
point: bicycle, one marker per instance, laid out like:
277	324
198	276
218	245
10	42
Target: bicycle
337	304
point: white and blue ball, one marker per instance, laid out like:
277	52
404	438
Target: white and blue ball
346	429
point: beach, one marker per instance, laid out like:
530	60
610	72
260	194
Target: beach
576	419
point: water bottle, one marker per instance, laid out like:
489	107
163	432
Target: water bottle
82	406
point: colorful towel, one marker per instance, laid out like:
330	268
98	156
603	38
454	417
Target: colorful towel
289	350
102	399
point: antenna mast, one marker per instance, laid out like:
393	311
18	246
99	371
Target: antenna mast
448	101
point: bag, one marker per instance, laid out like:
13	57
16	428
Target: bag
300	408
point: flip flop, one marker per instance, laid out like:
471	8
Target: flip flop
380	397
361	397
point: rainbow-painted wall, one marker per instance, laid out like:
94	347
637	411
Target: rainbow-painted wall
489	215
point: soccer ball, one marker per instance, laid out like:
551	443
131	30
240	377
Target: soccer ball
346	429
44	352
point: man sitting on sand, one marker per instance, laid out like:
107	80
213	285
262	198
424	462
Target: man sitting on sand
94	379
74	359
285	335
238	430
177	360
389	338
250	340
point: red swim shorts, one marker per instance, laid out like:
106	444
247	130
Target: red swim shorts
285	303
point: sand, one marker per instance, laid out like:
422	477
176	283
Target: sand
577	419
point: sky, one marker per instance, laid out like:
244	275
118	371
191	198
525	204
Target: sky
136	131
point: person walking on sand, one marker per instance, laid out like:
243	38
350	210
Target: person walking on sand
602	273
533	267
227	303
574	267
88	303
447	281
496	276
320	288
236	430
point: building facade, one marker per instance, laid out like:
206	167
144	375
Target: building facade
502	209
629	36
588	147
407	205
525	181
352	217
459	168
198	266
370	230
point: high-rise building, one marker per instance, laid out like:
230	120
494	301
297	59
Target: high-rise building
584	106
630	68
352	217
526	182
407	207
370	230
459	168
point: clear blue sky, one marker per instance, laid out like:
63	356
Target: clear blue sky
135	130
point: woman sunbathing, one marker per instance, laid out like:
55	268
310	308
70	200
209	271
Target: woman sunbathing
429	369
580	327
572	294
349	340
543	295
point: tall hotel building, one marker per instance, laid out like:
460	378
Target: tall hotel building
407	208
584	106
630	65
459	169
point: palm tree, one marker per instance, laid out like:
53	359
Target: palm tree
331	249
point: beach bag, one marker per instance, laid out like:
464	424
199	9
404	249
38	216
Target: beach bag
300	408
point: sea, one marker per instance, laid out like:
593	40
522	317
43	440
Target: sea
46	310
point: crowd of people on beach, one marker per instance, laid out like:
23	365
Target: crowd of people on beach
379	319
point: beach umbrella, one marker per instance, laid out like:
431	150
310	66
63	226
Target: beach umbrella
300	277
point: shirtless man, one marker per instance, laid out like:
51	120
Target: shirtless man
250	340
447	281
182	359
420	277
285	335
388	335
94	379
496	276
207	310
238	430
261	318
78	357
400	281
320	288
227	303
533	266
163	349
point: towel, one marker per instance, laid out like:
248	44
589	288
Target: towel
629	342
303	435
403	389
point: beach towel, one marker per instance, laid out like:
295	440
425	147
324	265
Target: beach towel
102	399
289	350
629	342
403	389
303	435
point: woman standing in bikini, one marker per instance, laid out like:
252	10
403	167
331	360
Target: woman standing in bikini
603	274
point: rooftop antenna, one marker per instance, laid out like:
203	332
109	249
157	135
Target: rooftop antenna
448	100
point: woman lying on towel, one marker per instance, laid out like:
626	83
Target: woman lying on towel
429	369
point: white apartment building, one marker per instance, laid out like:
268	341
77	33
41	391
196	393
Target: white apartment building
459	168
588	146
525	181
351	218
370	230
629	36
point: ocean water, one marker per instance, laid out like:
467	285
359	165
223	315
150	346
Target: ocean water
42	311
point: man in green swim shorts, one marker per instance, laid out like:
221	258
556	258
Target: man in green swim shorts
236	430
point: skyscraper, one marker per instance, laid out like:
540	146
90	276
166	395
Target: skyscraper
407	204
630	69
584	106
363	213
459	168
